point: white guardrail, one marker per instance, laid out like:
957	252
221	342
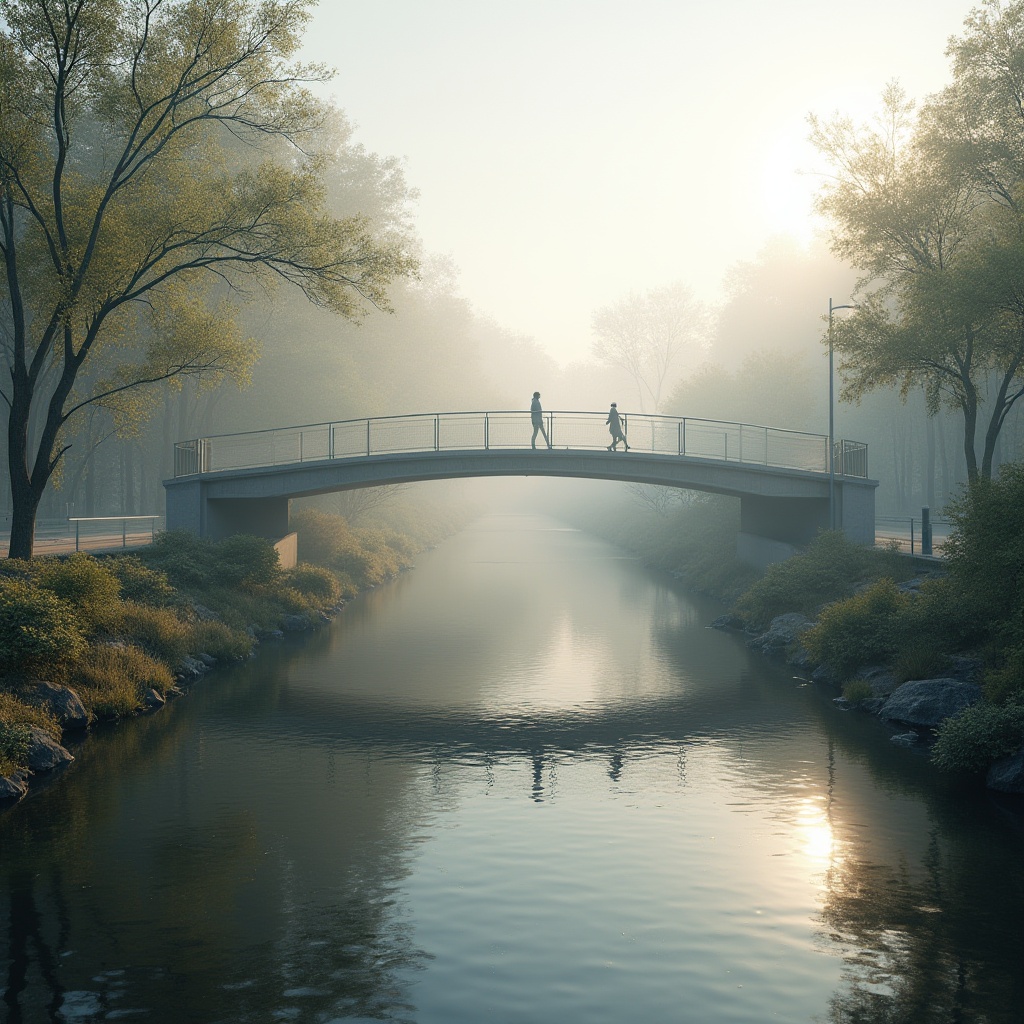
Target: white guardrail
487	431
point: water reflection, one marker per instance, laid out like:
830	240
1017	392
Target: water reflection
476	798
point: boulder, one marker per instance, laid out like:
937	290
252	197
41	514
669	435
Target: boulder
927	702
823	674
965	667
879	678
14	786
783	631
62	702
44	752
152	700
296	623
190	668
207	659
1007	774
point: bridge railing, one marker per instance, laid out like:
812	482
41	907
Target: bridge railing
475	431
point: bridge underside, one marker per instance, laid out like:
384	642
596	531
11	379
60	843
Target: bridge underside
781	510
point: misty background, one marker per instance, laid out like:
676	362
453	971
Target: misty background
568	172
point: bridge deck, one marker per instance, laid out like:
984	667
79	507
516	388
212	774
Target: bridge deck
505	430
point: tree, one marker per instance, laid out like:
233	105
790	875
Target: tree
646	335
939	239
155	157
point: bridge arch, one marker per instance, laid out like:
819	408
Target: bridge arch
788	491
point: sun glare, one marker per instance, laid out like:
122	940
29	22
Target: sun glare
787	189
815	831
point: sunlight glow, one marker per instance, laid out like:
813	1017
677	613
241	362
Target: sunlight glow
815	831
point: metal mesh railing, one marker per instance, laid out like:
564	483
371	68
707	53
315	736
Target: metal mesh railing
476	431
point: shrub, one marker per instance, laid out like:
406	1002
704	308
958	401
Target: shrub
221	641
16	717
857	689
919	663
13	747
157	631
1006	680
825	572
245	559
240	608
290	602
322	535
86	583
111	679
140	583
38	630
315	582
862	629
183	557
985	551
978	736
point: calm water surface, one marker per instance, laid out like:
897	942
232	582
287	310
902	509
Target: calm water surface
524	783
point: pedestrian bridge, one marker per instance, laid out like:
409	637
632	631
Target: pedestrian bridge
788	491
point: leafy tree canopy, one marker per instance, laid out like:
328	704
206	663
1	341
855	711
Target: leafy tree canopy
156	157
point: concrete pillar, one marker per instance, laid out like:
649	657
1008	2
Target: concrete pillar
262	517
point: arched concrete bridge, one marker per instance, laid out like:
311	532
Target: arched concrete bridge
241	483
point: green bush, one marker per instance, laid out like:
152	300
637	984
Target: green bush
14	741
985	550
140	583
181	556
244	559
38	630
194	563
111	680
866	628
220	641
16	717
827	571
315	582
159	632
919	662
86	583
364	557
857	690
980	735
1004	681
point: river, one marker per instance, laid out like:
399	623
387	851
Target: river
523	783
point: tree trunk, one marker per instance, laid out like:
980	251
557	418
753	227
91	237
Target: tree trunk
24	499
969	404
929	482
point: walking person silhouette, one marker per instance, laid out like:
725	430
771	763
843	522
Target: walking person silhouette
537	419
615	429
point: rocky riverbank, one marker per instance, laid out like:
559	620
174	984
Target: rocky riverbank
916	708
46	755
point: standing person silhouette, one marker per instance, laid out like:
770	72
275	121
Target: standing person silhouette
537	419
615	429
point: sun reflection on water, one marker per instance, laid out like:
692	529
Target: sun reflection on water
817	837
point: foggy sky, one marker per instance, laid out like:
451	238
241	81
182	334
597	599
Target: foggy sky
569	151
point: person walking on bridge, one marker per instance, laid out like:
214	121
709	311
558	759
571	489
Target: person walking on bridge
537	419
615	429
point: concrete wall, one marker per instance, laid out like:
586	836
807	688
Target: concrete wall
262	517
761	552
287	549
794	521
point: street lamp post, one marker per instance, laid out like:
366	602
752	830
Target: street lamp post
831	421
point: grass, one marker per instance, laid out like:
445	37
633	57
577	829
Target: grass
111	681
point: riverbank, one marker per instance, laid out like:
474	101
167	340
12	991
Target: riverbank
86	639
937	649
